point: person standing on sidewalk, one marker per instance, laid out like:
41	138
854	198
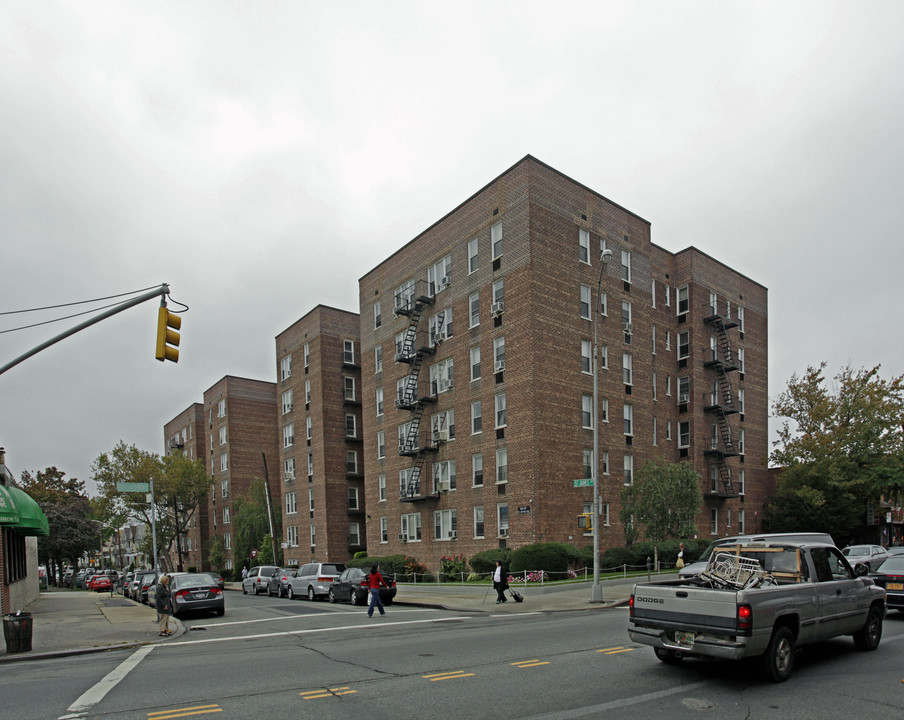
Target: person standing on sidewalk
375	582
500	582
164	602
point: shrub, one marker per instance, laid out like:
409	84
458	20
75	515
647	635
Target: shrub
400	566
552	557
485	562
360	554
452	567
616	557
192	568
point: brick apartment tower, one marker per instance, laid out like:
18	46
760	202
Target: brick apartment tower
321	447
487	318
187	434
242	430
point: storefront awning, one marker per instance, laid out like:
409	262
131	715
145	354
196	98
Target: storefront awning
20	513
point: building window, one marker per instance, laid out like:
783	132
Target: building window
381	487
292	535
348	352
227	541
411	527
384	530
404	294
668	430
441	377
476	419
285	367
714	521
350	426
683	300
224	488
606	514
655	388
684	434
627	369
741	441
587	412
499	354
684	389
477	470
584	246
379	396
499	292
653	296
655	438
307	391
381	444
741	482
439	275
349	384
740	330
604	410
653	338
226	516
222	436
474	307
501	420
586	354
472	256
224	462
443	422
440	326
444	475
741	400
445	525
353	498
605	467
684	344
378	314
501	466
740	359
626	266
742	529
289	469
221	408
628	414
587	464
604	356
479	528
287	401
378	359
629	469
310	465
313	535
291	504
502	519
351	462
496	240
475	362
585	302
307	355
309	428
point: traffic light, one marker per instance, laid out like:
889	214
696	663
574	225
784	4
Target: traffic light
585	521
167	337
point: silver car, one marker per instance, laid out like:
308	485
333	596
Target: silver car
313	580
865	558
258	579
698	567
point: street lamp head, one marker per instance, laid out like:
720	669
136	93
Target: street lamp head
606	256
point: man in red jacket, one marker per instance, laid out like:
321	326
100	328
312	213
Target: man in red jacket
374	582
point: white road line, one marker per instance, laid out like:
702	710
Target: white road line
364	626
300	616
97	693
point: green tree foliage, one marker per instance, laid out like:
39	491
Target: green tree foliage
841	447
216	556
180	485
485	562
551	557
74	529
252	528
661	503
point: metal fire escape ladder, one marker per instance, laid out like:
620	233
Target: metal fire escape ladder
722	404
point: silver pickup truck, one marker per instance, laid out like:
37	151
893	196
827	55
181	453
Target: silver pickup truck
759	599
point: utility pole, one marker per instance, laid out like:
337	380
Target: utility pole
276	558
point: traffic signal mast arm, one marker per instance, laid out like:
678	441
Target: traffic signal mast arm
162	291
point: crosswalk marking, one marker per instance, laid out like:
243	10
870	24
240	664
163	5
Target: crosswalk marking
331	692
184	712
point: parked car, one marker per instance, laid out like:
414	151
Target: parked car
218	576
352	586
135	583
124	581
258	579
196	592
865	558
79	579
313	580
144	583
279	583
890	575
100	583
896	550
695	568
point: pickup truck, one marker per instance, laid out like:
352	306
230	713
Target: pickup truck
759	599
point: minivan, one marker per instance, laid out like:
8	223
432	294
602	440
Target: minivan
258	579
314	579
698	567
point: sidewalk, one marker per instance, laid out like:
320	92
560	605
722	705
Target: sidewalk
73	622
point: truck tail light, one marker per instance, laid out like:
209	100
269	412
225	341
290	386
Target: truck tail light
631	607
745	619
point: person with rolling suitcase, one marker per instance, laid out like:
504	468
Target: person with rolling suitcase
500	582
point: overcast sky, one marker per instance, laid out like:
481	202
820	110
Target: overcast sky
261	157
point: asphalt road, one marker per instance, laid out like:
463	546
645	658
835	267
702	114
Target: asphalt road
272	657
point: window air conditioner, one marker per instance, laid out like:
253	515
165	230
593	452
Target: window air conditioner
628	328
442	435
403	537
443	486
503	532
444	282
497	308
290	475
499	366
453	534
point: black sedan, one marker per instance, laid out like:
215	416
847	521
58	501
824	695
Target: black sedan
351	586
196	591
890	575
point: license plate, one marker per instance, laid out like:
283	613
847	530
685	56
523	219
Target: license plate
895	586
199	596
684	638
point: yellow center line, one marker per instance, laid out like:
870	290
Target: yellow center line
531	664
331	692
184	712
447	676
615	652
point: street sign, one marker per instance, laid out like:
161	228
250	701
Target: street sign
523	509
584	482
133	487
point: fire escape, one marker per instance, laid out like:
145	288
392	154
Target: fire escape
720	401
414	347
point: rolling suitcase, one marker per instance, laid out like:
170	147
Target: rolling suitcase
516	596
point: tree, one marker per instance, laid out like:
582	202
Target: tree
841	448
251	525
661	503
216	557
180	485
74	528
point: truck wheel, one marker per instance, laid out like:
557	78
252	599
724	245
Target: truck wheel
778	661
868	637
669	657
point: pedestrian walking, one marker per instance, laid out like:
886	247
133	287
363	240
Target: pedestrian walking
500	582
244	572
684	557
375	582
164	602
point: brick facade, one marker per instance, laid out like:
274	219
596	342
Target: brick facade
187	433
541	267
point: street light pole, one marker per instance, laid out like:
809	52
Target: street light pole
596	590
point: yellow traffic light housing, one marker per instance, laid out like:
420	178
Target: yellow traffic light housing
167	337
585	521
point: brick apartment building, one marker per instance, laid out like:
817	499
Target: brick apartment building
321	437
487	318
242	429
187	434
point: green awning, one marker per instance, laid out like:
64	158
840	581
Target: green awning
9	515
27	516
